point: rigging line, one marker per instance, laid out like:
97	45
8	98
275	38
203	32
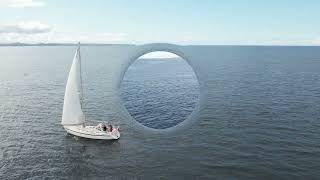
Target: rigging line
80	66
81	81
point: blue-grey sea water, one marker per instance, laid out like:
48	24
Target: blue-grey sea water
160	93
259	115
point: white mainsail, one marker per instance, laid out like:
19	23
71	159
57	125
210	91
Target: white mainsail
72	111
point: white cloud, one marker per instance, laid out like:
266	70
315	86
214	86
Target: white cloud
294	42
37	32
63	37
316	42
22	3
71	37
29	27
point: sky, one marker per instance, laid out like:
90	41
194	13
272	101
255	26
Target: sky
185	22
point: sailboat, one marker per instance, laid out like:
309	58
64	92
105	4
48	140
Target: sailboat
73	118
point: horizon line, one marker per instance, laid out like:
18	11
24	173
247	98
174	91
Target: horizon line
132	44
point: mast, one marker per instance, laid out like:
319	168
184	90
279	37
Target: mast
80	74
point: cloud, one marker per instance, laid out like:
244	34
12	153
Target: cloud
71	37
316	41
37	32
310	41
63	37
29	27
22	3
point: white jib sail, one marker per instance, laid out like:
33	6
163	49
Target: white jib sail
72	112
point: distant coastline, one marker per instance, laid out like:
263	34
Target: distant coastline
103	44
61	44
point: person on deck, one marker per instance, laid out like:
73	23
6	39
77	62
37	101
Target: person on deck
104	128
110	128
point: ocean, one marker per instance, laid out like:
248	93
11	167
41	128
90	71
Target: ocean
258	113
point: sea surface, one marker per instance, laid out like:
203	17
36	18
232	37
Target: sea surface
160	93
258	114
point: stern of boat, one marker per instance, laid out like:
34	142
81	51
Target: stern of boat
115	133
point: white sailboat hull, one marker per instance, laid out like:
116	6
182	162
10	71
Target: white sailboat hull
91	132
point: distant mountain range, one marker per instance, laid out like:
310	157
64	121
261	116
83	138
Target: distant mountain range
61	44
